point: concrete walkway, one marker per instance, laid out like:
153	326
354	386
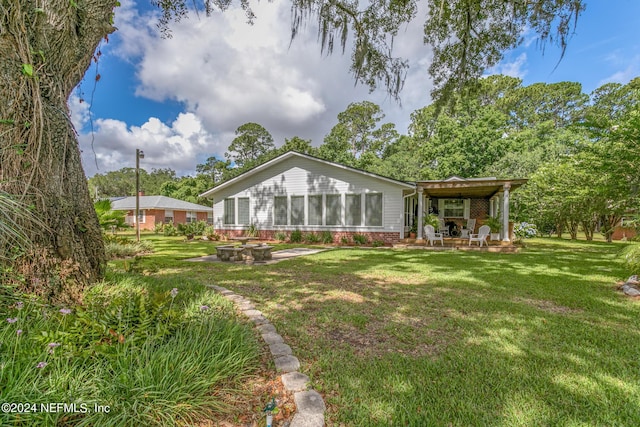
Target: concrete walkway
277	256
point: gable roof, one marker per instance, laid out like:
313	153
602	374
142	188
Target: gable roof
290	154
157	202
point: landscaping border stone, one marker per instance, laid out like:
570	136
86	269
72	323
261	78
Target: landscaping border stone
310	406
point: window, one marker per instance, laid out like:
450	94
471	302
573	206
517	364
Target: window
373	209
453	208
168	216
280	210
297	210
141	216
315	210
229	211
243	211
191	217
353	209
334	209
209	218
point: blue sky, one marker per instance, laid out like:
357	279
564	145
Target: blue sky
181	99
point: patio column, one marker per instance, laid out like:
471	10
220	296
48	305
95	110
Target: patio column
505	212
491	203
420	212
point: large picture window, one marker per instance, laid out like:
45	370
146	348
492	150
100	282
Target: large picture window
297	210
334	209
280	210
353	209
229	211
315	210
453	208
244	217
373	209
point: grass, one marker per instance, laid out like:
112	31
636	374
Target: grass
393	337
153	357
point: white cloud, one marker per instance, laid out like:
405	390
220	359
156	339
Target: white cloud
227	73
513	68
624	75
179	146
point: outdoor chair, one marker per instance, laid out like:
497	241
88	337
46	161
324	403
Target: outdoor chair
481	236
443	229
469	228
431	235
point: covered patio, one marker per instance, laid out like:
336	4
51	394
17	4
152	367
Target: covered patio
456	200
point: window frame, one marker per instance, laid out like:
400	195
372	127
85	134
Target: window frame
225	213
366	216
238	212
286	210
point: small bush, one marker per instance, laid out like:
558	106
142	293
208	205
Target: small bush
252	231
211	234
312	238
377	243
524	230
296	236
360	239
120	250
345	240
169	229
159	228
631	257
280	235
327	237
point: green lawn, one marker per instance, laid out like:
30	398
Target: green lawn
392	337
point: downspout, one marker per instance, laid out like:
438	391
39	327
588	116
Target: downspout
404	199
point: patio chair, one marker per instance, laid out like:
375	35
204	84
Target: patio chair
443	229
469	228
481	236
431	235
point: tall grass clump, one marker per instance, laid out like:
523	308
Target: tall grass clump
631	257
152	354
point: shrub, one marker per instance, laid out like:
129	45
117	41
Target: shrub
211	234
280	235
377	243
345	240
252	231
296	236
159	228
360	239
631	257
327	237
312	238
524	230
124	250
169	229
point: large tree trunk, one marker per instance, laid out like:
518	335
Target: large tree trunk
46	47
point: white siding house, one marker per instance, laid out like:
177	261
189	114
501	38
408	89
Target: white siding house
297	191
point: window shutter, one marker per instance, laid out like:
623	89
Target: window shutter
467	208
441	208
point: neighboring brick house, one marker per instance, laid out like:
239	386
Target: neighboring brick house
161	209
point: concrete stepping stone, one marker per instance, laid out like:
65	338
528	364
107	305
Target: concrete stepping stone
287	363
280	350
295	381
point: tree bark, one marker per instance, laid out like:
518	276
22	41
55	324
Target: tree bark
46	47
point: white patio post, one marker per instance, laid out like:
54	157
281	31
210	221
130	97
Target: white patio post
492	202
505	212
420	211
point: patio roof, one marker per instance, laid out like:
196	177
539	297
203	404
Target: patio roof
477	188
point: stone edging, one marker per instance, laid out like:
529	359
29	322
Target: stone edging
309	404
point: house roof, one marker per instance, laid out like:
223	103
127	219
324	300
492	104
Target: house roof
468	187
156	202
290	154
